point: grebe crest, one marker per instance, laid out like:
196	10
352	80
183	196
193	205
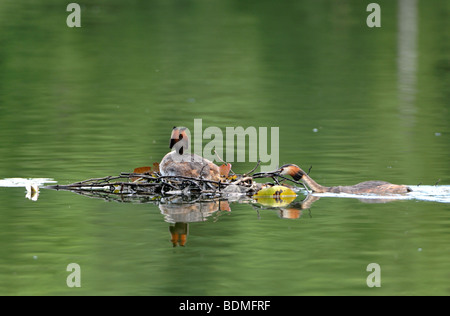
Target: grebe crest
292	170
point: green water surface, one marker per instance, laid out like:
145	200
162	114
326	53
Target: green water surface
355	103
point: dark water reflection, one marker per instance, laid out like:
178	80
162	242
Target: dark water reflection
353	102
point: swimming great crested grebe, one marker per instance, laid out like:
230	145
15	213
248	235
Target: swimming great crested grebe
374	187
179	163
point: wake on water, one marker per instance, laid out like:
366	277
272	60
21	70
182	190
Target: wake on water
22	182
432	193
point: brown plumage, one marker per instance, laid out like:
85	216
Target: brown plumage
179	163
372	187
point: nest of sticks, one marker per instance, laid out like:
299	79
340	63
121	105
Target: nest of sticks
149	182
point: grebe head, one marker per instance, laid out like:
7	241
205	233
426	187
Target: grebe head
179	139
292	170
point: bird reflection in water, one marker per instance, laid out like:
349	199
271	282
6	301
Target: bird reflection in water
286	208
179	211
178	233
295	209
181	214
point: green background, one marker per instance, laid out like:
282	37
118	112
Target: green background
77	103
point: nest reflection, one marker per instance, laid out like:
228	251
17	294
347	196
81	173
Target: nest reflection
181	210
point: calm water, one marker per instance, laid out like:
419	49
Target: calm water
354	103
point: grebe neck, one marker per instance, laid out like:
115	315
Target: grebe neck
313	184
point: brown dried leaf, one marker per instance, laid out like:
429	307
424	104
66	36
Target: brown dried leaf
225	170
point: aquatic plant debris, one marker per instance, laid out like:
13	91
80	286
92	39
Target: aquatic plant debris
158	185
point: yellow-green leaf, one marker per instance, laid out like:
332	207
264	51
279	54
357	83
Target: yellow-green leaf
277	195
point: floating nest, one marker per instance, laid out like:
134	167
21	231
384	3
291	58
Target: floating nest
147	183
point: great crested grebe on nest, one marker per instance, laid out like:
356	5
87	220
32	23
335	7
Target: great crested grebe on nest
180	163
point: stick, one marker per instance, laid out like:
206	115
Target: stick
171	177
251	171
242	180
105	179
221	160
